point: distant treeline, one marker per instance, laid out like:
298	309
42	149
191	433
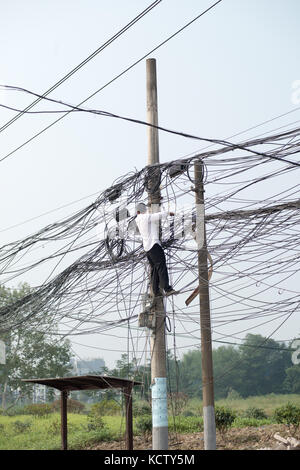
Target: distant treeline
258	366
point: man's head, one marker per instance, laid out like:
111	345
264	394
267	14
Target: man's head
141	208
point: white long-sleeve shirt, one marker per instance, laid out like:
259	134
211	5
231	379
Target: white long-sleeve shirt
148	225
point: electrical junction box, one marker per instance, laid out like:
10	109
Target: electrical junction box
177	169
147	316
147	319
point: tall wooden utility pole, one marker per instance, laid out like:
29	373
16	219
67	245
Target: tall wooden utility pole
158	345
205	325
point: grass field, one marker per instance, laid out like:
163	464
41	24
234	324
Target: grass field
267	402
26	432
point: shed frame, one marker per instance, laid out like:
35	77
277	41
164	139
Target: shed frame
90	382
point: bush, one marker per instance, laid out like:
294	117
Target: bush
54	427
83	440
95	422
73	406
177	402
188	413
106	408
256	413
38	409
186	424
141	408
15	411
288	414
224	418
241	422
21	426
144	424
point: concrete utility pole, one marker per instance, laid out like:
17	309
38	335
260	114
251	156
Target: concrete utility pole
158	345
205	326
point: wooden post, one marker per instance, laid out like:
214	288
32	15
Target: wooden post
128	407
158	346
64	419
205	324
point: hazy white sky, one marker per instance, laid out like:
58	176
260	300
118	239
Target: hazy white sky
232	69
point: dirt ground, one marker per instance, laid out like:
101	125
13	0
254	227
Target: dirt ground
249	438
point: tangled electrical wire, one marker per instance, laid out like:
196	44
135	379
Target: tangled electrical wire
93	272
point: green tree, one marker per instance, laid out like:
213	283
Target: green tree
125	368
256	367
32	349
227	373
262	365
291	383
190	374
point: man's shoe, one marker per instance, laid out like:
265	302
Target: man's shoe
170	291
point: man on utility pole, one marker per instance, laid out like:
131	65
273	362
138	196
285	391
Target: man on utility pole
158	345
148	225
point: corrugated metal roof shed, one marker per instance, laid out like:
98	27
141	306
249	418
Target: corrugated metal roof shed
90	382
84	382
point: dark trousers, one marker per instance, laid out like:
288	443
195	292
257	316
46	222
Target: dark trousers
159	272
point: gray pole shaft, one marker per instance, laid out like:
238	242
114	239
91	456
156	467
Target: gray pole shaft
158	345
152	112
205	324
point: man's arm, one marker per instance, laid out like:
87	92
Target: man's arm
157	215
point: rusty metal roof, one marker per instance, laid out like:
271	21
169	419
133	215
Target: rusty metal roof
84	382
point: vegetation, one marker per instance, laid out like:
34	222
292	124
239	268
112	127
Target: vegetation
95	422
20	433
29	352
257	384
143	424
73	406
141	408
106	407
289	415
33	431
186	424
38	409
256	413
224	417
257	367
